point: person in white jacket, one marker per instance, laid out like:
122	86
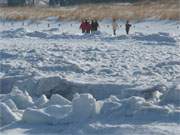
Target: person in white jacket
114	26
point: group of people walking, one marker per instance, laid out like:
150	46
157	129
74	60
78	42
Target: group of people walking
90	27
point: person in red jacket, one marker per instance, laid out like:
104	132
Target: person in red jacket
87	27
83	26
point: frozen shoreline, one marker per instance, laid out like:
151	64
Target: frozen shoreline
132	81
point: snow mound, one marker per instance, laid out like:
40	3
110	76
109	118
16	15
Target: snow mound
37	34
6	115
6	55
17	33
119	108
160	38
136	109
84	106
172	96
51	30
37	116
48	115
21	99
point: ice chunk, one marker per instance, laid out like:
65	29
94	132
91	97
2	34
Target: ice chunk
57	100
27	84
11	104
153	112
109	106
37	116
172	96
41	101
22	99
84	106
113	98
6	115
47	84
125	108
58	111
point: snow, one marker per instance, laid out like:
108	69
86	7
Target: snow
55	80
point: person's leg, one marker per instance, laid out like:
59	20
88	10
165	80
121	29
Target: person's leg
127	31
114	32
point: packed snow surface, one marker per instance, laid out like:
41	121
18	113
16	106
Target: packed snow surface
55	80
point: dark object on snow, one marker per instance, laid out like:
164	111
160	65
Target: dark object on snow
127	27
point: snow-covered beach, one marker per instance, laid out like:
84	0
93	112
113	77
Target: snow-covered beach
55	80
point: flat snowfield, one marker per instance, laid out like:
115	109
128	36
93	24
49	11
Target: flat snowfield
56	80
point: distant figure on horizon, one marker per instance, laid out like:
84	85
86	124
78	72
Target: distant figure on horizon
128	27
94	25
114	26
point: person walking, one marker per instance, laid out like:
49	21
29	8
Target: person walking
94	25
128	26
83	26
87	27
114	26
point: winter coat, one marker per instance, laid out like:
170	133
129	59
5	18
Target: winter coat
128	26
114	26
83	26
88	27
94	26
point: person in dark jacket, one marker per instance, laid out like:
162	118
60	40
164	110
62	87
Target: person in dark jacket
128	26
94	25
